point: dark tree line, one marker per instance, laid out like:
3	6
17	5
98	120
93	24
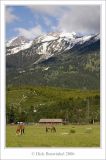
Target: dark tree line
72	110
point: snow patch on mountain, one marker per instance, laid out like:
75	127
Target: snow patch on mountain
48	38
16	41
19	48
86	38
8	43
68	35
48	45
97	37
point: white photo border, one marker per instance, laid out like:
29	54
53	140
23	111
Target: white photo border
57	153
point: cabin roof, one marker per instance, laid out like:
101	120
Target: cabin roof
51	120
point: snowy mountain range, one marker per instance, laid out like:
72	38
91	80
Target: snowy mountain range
50	44
54	59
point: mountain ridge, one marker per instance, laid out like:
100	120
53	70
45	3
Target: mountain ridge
72	61
50	43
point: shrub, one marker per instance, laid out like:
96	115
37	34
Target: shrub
72	131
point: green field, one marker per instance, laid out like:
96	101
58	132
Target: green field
35	136
75	106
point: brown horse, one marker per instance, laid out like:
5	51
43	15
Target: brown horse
52	129
20	128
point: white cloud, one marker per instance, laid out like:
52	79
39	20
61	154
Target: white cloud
51	10
47	21
85	19
10	16
30	33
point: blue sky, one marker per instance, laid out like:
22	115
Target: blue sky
32	21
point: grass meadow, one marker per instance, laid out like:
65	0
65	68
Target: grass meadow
65	136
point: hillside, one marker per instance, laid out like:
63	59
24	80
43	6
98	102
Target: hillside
29	104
